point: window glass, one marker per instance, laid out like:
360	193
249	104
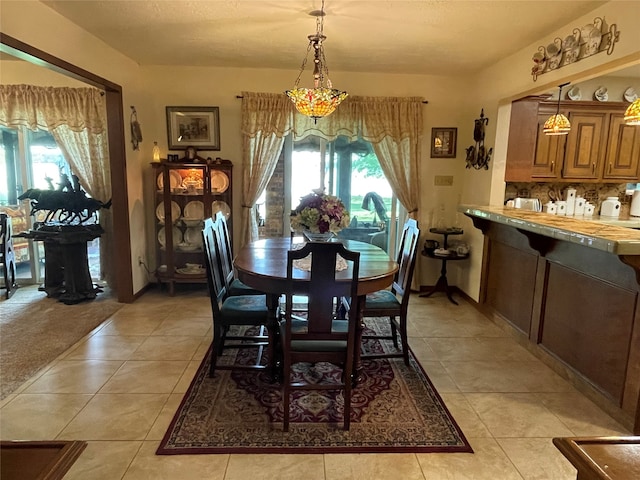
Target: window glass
351	171
32	160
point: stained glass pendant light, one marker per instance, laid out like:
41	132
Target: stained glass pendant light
322	99
557	124
632	114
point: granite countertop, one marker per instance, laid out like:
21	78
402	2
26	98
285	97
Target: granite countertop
615	236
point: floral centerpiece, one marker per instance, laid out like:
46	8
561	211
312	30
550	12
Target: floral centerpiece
320	213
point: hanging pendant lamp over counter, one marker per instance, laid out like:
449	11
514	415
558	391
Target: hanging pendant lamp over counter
322	99
632	114
557	124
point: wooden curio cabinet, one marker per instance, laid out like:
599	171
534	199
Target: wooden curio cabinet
186	194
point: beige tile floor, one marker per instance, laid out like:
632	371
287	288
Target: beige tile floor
119	387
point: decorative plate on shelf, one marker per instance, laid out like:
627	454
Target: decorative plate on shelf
175	180
194	210
574	94
601	94
187	247
177	236
192	222
220	206
193	236
630	95
175	212
191	271
219	182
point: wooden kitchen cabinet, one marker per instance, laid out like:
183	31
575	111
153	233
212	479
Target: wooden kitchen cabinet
599	148
549	152
623	150
585	148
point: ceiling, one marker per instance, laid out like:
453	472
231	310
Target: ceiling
442	37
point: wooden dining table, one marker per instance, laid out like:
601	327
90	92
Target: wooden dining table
262	265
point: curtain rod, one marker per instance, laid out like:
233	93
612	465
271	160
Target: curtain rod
423	101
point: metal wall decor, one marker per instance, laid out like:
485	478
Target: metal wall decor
136	131
583	42
477	155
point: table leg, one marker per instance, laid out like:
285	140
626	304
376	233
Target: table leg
442	285
357	362
274	350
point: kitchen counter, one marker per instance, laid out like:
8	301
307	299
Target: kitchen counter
570	290
608	234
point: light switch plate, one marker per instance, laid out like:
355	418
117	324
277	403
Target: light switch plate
443	180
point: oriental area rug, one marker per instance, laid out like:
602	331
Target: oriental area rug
395	408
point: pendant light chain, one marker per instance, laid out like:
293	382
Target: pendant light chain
320	100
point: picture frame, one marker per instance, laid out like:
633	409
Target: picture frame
193	126
443	142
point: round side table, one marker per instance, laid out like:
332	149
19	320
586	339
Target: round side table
442	285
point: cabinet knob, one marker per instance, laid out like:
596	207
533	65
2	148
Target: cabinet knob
553	165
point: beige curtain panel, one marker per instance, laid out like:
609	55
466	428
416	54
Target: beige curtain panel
77	119
393	125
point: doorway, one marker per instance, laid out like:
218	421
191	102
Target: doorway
122	282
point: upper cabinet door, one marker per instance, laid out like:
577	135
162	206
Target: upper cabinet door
623	150
585	148
549	153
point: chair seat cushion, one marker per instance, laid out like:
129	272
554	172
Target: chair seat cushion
300	326
244	310
381	300
238	288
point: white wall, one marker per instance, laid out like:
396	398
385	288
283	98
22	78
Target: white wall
16	72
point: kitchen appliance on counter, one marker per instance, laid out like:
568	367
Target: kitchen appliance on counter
634	210
610	207
532	204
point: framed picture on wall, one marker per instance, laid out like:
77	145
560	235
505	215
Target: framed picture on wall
443	142
193	126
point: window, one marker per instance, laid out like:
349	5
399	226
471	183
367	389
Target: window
351	171
32	160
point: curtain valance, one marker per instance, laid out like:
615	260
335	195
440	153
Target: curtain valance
393	125
47	108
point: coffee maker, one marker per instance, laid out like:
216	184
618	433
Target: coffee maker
634	209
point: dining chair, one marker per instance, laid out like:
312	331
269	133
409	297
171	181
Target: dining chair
394	302
233	285
228	311
319	337
7	255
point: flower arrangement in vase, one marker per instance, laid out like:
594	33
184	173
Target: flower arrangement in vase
319	213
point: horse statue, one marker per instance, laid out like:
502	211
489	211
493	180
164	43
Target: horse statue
69	203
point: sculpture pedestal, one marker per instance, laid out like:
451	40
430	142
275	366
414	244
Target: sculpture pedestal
67	275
